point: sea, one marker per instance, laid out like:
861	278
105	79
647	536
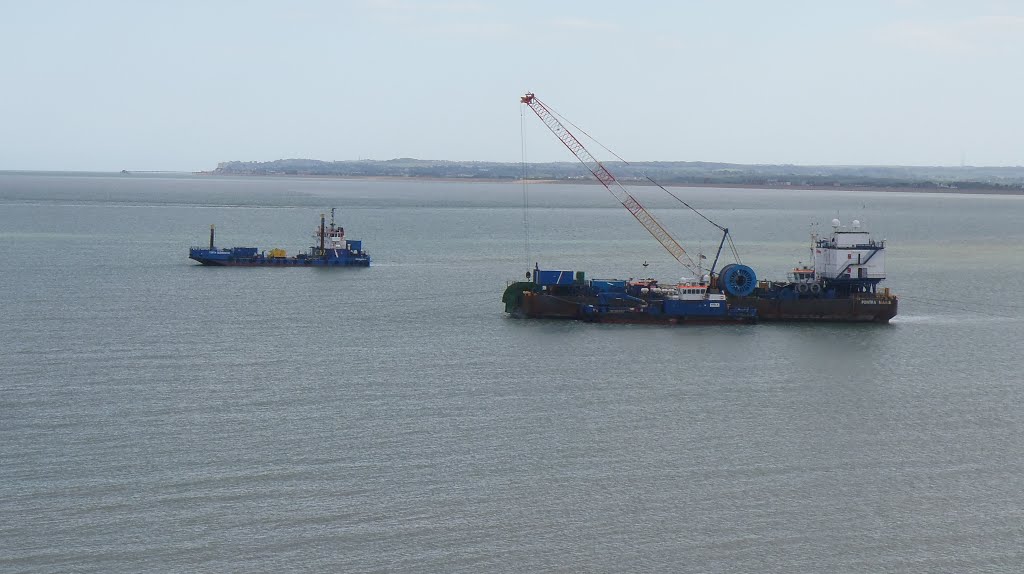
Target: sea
161	416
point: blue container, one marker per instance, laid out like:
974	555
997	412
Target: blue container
553	277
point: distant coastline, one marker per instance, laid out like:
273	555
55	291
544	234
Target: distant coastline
915	189
934	179
919	187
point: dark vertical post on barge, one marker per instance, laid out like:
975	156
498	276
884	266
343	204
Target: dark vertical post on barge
323	252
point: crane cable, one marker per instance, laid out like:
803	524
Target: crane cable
584	132
526	193
732	245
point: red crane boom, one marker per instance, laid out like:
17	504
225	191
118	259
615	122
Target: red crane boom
610	183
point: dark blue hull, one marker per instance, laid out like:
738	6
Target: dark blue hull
583	308
227	258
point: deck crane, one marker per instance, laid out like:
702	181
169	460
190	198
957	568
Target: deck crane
612	185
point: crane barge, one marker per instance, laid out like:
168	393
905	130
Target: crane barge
841	286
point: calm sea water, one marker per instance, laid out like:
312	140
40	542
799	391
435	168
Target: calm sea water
159	415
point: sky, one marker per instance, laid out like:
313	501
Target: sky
182	85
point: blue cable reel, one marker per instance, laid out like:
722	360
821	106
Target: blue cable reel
737	280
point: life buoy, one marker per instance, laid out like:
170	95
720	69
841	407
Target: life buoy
802	288
815	288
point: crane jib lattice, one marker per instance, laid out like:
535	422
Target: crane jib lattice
609	182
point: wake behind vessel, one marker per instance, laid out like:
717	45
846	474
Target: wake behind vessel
332	250
842	285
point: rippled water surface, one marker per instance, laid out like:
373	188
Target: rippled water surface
159	415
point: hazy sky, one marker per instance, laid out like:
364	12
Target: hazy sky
182	85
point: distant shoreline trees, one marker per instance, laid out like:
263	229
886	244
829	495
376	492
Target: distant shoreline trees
666	173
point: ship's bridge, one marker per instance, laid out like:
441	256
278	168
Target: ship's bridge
849	255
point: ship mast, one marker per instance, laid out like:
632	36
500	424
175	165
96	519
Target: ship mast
332	237
323	252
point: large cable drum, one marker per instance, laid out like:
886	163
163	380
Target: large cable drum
737	280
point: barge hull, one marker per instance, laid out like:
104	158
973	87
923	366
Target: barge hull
845	310
361	262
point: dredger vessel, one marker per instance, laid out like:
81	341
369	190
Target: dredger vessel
332	250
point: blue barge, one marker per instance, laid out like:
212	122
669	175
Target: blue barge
332	250
567	295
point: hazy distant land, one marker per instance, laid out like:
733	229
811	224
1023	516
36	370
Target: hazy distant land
919	178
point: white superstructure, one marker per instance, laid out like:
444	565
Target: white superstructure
848	254
331	238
